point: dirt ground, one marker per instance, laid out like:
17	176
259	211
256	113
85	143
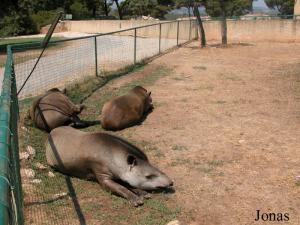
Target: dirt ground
225	128
227	122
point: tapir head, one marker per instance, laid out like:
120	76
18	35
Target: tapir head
141	174
147	97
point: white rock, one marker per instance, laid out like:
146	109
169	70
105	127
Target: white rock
31	150
24	128
23	155
174	222
50	174
40	166
241	141
29	173
60	195
36	181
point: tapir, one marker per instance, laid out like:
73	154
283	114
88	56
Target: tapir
126	110
54	109
117	165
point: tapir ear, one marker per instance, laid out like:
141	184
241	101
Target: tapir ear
131	160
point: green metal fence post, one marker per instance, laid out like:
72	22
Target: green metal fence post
5	212
15	149
96	56
11	200
134	53
177	33
4	168
159	43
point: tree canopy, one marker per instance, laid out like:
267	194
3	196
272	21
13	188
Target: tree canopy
27	16
285	7
232	7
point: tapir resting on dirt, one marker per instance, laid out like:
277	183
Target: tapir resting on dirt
116	164
54	109
126	110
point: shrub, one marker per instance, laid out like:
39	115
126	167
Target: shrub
18	23
43	18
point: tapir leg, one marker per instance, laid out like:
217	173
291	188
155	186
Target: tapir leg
116	188
78	108
141	192
78	123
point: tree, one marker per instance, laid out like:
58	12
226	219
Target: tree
92	6
154	8
194	5
285	7
15	19
200	25
224	9
186	4
121	6
106	6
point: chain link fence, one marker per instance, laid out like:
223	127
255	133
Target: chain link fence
70	60
11	200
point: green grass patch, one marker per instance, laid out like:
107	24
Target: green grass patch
95	203
12	41
179	148
95	104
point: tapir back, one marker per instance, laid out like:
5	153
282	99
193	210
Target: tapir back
55	107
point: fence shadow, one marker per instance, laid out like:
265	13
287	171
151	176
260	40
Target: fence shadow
69	183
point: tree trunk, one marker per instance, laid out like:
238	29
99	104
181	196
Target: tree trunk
200	26
119	10
94	12
189	10
223	24
105	8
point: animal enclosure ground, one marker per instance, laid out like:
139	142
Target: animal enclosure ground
225	127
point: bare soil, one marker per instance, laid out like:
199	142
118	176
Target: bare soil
227	124
225	128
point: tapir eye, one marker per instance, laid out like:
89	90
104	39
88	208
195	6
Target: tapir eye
131	160
151	176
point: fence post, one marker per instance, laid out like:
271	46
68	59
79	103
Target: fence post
159	44
177	33
15	148
96	55
134	53
196	31
190	30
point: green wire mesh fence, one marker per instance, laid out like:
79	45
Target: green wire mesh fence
11	201
50	198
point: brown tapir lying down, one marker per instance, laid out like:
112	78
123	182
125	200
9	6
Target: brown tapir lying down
126	110
112	161
54	109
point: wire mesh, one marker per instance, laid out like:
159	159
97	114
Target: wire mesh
115	51
50	197
184	31
11	211
168	36
67	61
147	42
61	63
